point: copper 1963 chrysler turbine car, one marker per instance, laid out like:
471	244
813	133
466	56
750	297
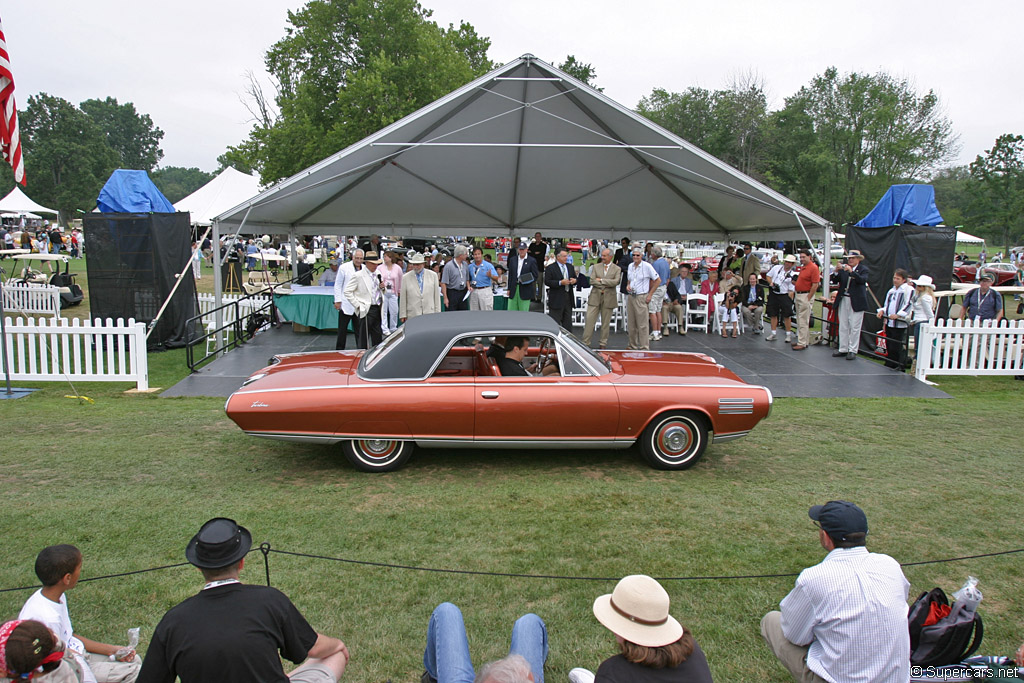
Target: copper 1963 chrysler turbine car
434	383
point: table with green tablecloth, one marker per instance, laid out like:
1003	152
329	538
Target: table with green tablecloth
309	306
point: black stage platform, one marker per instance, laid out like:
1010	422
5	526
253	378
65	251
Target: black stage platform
812	373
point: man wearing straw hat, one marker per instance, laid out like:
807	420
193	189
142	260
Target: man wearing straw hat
851	301
421	293
846	618
235	633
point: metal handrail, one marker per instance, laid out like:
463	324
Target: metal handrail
236	328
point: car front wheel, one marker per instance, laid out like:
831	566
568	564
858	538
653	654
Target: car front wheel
675	441
377	455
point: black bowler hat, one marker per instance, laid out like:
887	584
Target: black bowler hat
219	543
839	518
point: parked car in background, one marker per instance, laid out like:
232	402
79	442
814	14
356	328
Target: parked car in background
435	383
967	271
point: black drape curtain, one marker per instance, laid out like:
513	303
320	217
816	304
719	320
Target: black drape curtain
918	249
134	261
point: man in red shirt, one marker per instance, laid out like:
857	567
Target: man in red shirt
806	285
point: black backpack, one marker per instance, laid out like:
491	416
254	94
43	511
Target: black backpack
948	641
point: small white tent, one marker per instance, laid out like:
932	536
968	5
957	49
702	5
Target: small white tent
229	188
17	202
968	238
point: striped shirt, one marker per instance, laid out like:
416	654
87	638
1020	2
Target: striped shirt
852	611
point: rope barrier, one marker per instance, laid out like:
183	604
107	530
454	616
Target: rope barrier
265	548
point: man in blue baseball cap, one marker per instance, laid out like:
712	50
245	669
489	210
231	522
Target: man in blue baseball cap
846	618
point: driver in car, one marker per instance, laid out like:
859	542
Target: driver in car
511	364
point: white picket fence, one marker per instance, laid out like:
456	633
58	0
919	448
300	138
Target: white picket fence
58	350
958	347
207	302
704	252
27	299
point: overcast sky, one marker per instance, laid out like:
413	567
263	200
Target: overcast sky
184	62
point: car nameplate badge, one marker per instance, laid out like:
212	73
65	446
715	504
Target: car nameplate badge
259	404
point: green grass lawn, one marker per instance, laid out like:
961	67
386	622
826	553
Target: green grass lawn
129	479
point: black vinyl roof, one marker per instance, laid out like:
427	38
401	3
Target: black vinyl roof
426	337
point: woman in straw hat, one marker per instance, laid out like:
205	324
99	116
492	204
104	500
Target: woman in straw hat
923	308
654	646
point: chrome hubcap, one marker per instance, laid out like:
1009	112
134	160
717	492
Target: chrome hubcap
377	446
675	438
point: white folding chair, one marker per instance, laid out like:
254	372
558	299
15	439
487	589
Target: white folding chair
716	327
579	311
697	316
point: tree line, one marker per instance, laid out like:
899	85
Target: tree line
346	68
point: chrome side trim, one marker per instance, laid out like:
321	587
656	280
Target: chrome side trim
377	384
735	406
298	438
720	438
525	443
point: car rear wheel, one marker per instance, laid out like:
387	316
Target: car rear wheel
675	441
377	455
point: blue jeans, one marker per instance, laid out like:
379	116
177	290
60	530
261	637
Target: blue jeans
447	659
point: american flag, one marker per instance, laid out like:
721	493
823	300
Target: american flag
10	140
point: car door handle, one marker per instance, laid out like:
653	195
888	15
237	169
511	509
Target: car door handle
489	394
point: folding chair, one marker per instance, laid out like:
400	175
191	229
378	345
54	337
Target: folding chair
697	317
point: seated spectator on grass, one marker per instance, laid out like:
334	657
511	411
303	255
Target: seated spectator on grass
446	658
58	568
846	618
654	646
27	648
752	301
235	633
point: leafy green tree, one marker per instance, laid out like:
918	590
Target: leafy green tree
67	159
347	68
236	159
176	182
729	124
998	190
953	194
130	134
843	139
580	71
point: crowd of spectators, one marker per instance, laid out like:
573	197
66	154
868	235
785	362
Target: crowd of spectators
845	619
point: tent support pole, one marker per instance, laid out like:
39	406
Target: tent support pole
218	286
294	252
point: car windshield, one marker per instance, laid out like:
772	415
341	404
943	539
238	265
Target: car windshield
598	364
374	355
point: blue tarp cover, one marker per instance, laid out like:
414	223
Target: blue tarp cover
132	192
901	204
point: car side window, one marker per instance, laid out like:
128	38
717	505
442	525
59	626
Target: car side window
572	367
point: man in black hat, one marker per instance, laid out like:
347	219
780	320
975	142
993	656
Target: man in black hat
235	633
846	618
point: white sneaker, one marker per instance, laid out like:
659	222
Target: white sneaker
789	338
770	337
579	675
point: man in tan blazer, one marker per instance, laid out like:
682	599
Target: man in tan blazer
604	282
751	264
421	293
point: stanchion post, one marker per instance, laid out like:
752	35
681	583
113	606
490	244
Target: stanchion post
265	549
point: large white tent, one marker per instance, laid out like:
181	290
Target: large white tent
18	202
229	188
525	148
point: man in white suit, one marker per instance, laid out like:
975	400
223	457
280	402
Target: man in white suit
365	293
346	313
421	293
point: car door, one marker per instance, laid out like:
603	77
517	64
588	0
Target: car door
546	410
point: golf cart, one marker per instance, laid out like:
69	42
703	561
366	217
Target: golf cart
23	270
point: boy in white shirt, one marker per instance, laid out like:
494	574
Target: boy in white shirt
58	568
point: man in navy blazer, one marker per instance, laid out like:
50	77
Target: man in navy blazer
851	300
560	278
523	274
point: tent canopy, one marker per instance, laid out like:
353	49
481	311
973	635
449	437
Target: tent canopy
524	148
131	192
968	238
914	204
17	202
228	189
